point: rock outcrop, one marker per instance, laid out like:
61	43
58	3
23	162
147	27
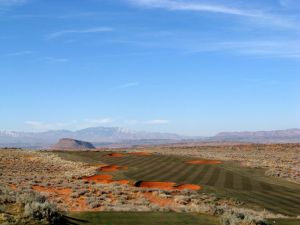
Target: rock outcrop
72	144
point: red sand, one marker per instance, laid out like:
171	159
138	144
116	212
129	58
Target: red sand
13	186
112	168
169	186
74	205
64	191
159	185
120	181
140	153
192	187
98	177
157	200
115	155
204	161
104	179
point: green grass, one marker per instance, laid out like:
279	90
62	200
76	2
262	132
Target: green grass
154	218
129	218
226	180
285	222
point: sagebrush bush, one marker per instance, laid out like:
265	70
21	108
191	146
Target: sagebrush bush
241	217
28	206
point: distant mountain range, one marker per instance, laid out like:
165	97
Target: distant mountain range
115	136
277	136
97	135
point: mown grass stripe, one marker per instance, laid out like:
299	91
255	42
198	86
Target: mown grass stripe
229	179
156	174
265	186
195	174
286	194
145	162
237	182
278	202
111	160
246	182
289	192
264	203
173	173
148	168
158	162
181	172
206	177
285	197
159	169
214	177
220	182
199	174
185	173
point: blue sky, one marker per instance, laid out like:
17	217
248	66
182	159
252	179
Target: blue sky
193	67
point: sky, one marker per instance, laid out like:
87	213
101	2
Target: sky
193	67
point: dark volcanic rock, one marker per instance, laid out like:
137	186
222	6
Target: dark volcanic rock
72	144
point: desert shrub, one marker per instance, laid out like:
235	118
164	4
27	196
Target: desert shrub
28	207
6	196
82	192
29	197
94	205
181	199
75	195
42	212
240	217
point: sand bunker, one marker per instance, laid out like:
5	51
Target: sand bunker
204	162
112	168
167	185
115	155
104	179
192	187
159	185
98	177
140	153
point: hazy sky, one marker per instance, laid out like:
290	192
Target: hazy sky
187	66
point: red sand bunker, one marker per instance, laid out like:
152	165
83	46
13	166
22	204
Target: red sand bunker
140	153
160	185
104	179
192	187
98	177
168	186
112	168
115	155
204	161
